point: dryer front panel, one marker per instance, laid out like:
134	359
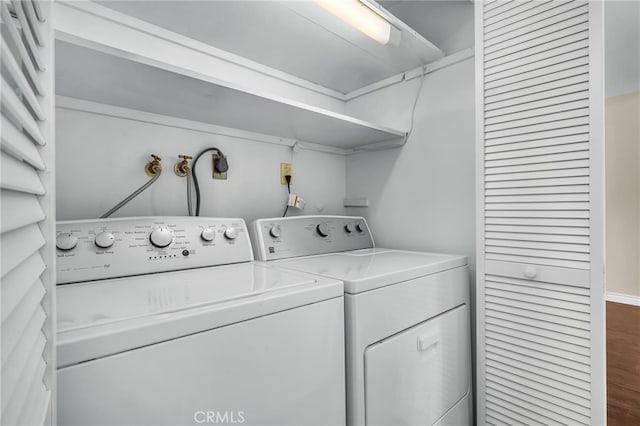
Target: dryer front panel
417	375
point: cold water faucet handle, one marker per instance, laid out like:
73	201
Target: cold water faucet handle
181	168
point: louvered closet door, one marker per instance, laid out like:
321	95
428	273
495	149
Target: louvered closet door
540	279
27	224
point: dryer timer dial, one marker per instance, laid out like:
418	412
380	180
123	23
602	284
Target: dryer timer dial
323	229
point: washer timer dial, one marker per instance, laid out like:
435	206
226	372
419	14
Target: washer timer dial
161	237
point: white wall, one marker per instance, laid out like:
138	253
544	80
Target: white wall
622	146
622	47
100	160
622	155
422	196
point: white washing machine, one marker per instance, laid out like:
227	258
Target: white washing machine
406	318
167	321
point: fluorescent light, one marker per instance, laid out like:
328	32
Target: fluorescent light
359	16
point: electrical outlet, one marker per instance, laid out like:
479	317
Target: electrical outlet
285	169
217	175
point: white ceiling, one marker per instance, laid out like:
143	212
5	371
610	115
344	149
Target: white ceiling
299	38
446	23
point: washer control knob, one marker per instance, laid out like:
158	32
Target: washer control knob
349	228
66	241
360	227
323	229
231	233
208	234
275	231
104	240
161	237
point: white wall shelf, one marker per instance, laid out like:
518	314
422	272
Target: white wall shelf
91	75
112	62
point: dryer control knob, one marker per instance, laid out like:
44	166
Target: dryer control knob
66	241
208	234
275	231
161	237
360	227
323	229
104	240
349	228
231	233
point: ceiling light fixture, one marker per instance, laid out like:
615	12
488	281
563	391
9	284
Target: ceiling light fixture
361	17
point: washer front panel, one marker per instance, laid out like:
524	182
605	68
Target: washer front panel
147	245
281	369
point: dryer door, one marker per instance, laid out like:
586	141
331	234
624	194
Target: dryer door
417	375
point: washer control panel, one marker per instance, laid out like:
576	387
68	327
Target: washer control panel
108	248
285	237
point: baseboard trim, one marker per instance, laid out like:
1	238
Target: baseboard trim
623	298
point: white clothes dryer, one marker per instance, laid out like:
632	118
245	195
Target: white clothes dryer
167	321
406	318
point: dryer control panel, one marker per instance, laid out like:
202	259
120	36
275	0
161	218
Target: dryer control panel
109	248
286	237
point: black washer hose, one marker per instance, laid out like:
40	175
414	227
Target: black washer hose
222	164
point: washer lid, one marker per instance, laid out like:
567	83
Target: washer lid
363	270
99	318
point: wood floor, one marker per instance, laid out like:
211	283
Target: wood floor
623	364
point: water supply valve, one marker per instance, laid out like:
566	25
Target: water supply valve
153	167
181	168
